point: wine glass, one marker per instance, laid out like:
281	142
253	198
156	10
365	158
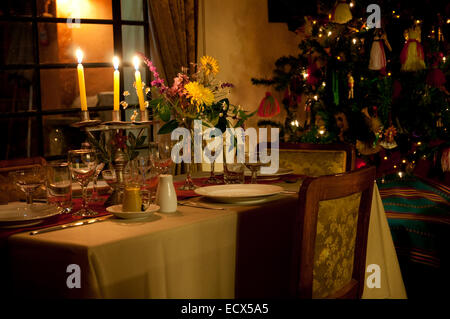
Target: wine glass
253	163
162	160
82	164
109	175
94	197
143	164
212	177
29	180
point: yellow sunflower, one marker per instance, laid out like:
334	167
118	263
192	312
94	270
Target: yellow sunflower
210	65
199	94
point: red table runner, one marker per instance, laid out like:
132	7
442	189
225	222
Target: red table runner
101	209
55	220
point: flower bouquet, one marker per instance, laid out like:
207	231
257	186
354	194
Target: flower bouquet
197	96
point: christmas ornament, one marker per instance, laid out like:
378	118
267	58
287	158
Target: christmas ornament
435	76
351	83
269	106
412	57
341	13
377	56
388	141
374	124
342	124
313	74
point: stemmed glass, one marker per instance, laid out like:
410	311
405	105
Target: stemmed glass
94	197
29	180
212	177
143	164
160	157
82	164
253	166
110	177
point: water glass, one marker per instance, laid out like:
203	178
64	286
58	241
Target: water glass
59	186
94	197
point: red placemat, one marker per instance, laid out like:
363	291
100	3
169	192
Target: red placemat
55	220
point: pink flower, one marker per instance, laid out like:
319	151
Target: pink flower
157	82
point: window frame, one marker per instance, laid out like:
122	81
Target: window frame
36	66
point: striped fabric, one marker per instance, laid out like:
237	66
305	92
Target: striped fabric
418	214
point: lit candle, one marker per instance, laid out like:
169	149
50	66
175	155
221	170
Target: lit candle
116	83
137	76
81	84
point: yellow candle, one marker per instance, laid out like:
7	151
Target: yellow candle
137	76
81	84
116	84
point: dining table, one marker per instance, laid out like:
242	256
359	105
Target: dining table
226	250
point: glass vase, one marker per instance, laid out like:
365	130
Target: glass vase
190	167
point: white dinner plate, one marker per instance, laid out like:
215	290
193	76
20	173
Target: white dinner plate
18	214
239	193
116	210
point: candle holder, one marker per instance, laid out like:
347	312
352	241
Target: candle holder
144	117
119	163
116	119
85	120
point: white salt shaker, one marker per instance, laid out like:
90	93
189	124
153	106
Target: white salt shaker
166	197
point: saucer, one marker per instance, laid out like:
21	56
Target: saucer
116	210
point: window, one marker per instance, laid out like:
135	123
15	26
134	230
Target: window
39	96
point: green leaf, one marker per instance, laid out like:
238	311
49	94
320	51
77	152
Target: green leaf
164	112
168	127
155	102
140	141
131	138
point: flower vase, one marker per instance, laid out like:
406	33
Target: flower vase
188	183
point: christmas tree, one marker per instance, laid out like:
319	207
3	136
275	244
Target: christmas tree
376	83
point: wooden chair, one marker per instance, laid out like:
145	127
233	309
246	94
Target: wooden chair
21	163
330	235
317	159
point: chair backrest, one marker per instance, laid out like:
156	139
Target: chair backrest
21	163
317	159
330	235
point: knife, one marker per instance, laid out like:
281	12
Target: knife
70	225
191	204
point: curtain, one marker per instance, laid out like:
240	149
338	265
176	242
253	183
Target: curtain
174	27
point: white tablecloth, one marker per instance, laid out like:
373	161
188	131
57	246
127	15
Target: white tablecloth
189	254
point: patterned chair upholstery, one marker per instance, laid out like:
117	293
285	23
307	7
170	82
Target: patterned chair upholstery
332	225
317	160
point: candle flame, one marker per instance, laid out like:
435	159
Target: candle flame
136	62
116	62
79	55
